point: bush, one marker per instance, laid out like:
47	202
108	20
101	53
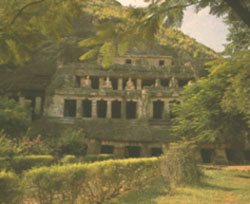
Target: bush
8	148
69	159
88	183
72	142
96	157
10	190
14	116
22	163
178	165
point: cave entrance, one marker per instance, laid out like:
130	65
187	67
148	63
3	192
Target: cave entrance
130	110
69	108
206	155
158	109
132	151
116	109
156	151
87	108
107	149
101	109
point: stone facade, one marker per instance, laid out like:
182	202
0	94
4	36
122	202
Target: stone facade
126	109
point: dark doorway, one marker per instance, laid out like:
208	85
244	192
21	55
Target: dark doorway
116	109
101	109
114	82
165	82
156	151
148	82
234	156
107	149
206	155
183	82
128	61
158	109
133	151
87	108
161	62
130	110
70	108
94	82
246	155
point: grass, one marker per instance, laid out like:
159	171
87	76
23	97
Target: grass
216	187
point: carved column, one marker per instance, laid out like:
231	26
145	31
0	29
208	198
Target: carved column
21	100
109	109
119	151
150	109
166	110
220	156
139	84
38	105
101	82
94	109
145	151
79	108
123	109
139	109
94	147
120	84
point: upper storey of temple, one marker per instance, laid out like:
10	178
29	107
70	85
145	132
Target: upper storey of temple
141	60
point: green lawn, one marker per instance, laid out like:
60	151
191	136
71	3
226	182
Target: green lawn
217	186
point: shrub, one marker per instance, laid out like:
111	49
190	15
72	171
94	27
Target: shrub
72	142
14	116
8	148
88	183
10	190
22	163
96	157
69	159
178	165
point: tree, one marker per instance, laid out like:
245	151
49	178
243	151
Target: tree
14	117
216	108
140	26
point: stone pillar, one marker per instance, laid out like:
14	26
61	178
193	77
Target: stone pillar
138	84
197	155
109	109
145	151
157	83
38	105
220	156
123	111
119	151
21	100
82	82
101	82
166	110
139	109
150	109
120	84
94	109
94	147
79	108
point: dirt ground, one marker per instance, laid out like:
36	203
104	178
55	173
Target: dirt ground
244	168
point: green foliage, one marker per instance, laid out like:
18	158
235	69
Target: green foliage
23	163
69	159
96	157
88	183
8	148
14	117
10	190
25	24
178	165
217	108
71	142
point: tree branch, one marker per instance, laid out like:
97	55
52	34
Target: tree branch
22	10
240	10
